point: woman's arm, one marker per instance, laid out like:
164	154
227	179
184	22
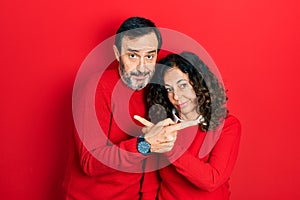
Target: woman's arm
213	173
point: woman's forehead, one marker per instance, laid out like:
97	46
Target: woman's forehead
174	75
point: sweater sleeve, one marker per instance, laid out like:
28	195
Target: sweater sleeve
98	155
213	173
106	159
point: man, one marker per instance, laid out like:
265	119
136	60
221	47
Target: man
109	164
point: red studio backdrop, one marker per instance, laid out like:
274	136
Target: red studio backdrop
255	44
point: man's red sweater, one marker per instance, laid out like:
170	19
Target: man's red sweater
107	164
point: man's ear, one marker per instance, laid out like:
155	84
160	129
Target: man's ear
117	54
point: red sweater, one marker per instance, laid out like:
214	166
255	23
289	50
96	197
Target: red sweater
191	177
112	167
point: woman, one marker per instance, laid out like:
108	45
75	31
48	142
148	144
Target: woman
203	156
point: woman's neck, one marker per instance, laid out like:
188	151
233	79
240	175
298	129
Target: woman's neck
189	116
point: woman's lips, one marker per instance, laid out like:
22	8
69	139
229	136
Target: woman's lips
180	105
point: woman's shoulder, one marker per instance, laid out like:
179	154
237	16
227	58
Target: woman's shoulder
232	124
232	119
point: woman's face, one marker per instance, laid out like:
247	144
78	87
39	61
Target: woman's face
181	93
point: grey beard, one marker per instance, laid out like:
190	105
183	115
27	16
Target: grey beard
127	78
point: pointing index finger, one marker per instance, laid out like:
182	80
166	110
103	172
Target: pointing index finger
182	125
142	120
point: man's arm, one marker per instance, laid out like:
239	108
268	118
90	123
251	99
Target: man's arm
102	145
102	148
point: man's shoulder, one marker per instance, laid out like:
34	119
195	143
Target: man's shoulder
109	77
110	74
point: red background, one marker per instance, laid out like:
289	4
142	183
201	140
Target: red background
255	44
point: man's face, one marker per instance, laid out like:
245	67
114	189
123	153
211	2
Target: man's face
137	60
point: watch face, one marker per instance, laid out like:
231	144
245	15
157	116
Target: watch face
143	147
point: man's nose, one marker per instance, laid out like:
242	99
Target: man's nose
141	66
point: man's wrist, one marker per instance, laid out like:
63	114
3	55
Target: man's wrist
143	146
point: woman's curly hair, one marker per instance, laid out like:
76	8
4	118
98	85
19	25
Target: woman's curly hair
210	93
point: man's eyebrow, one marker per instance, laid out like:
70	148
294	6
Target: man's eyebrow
152	51
134	50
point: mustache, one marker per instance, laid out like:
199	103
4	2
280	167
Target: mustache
139	73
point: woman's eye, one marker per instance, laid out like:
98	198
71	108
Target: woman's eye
183	85
169	89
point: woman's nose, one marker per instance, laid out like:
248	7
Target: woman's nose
176	96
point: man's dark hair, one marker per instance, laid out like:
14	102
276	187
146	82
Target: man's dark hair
136	27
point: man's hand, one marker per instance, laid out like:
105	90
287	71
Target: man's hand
161	136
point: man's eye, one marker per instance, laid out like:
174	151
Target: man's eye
149	57
132	55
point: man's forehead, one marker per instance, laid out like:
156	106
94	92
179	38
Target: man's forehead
145	43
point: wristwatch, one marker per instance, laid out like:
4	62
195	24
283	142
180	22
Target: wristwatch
143	146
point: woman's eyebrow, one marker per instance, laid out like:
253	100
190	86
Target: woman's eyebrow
181	80
166	84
